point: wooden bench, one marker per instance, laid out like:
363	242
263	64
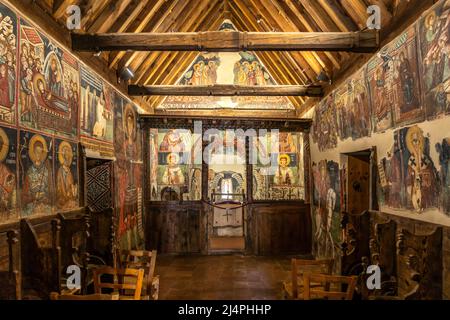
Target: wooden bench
41	257
74	235
71	297
10	278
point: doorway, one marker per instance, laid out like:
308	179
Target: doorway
357	177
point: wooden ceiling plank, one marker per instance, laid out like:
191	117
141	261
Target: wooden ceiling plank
335	12
129	15
163	24
107	17
313	62
60	7
209	17
357	10
192	13
267	58
277	9
320	18
139	24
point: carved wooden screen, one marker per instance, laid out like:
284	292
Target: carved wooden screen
99	187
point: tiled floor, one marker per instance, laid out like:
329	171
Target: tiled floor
228	277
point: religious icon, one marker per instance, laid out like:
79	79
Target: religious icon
66	186
49	84
326	207
8	64
173	175
37	182
172	142
7	176
421	175
284	174
130	130
96	115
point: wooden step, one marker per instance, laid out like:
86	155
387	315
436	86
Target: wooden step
227	243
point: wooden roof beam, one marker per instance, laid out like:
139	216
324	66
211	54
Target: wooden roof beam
232	41
226	90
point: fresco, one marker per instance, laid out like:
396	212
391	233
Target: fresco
49	84
239	68
36	173
128	173
285	181
393	79
409	179
66	162
326	208
443	150
175	173
325	130
352	107
433	29
8	165
96	114
8	64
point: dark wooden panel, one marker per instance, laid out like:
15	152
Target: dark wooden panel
446	262
281	228
175	228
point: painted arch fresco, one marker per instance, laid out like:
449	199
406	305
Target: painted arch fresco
49	103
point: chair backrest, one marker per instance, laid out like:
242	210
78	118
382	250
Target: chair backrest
122	280
332	287
140	259
57	296
300	266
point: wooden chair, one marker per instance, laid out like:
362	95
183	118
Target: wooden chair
57	296
140	259
331	287
292	289
123	280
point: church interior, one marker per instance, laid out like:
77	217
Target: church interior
224	150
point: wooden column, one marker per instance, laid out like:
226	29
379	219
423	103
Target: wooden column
307	167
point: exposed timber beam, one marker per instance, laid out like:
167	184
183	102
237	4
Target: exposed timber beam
223	90
228	41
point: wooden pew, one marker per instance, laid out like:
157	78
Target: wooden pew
383	253
419	262
41	257
74	235
10	279
101	243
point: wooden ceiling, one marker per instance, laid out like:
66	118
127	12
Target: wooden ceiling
287	68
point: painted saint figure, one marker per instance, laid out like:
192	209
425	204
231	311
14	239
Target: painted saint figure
173	175
421	176
36	192
7	179
284	174
66	188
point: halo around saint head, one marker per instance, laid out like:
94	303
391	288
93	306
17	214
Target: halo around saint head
36	79
175	156
5	145
32	145
409	139
284	156
68	147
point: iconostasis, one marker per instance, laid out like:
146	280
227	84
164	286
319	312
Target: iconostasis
176	157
